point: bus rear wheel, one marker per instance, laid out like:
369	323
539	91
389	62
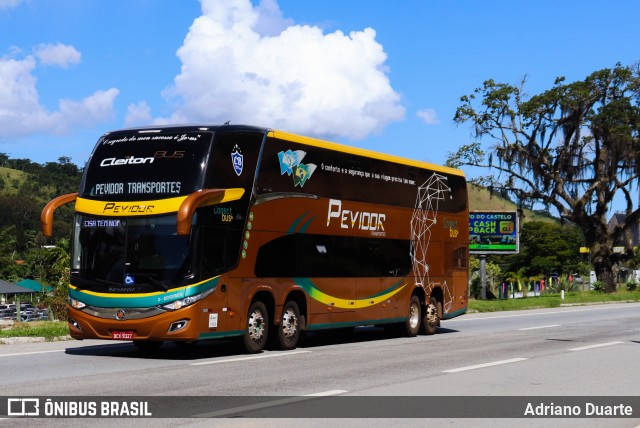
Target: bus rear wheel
431	318
289	328
257	328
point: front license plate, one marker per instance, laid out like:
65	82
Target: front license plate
122	335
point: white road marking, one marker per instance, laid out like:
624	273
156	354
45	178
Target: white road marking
254	357
472	318
327	393
30	353
479	366
597	345
539	327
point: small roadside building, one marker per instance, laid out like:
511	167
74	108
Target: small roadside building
8	289
35	286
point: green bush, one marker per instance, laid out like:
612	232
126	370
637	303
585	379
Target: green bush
476	285
632	285
598	286
563	285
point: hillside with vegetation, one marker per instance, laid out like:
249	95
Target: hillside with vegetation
25	188
482	199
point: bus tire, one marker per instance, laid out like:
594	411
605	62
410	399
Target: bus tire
412	325
257	328
431	317
289	328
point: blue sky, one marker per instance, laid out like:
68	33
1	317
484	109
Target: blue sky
379	74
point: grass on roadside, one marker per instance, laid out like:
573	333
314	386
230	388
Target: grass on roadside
551	301
47	329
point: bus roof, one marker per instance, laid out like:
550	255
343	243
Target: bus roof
363	152
302	140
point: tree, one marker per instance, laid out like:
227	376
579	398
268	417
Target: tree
546	248
573	147
57	275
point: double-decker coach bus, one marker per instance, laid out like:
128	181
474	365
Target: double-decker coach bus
184	233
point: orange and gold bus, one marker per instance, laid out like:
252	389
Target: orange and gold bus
183	233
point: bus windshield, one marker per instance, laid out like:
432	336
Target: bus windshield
130	255
134	166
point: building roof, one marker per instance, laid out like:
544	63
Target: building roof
619	218
35	286
10	288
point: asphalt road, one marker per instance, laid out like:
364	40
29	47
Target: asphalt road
574	351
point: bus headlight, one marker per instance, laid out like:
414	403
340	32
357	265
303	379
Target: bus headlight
76	304
178	304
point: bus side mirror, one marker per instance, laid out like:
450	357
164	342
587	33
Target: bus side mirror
199	198
46	218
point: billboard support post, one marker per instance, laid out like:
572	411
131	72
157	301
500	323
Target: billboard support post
483	276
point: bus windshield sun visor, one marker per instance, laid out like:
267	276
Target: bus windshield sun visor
201	198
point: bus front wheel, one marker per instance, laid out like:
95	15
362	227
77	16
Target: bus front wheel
257	328
412	324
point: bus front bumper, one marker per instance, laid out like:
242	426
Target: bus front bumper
178	325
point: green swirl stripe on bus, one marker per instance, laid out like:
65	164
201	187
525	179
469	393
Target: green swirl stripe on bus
337	302
297	222
113	300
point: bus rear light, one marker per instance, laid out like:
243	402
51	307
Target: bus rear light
177	325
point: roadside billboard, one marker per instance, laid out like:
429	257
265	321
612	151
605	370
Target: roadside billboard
493	232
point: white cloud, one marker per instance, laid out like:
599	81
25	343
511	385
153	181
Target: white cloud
22	114
138	114
91	110
8	4
61	55
250	65
428	116
270	21
17	85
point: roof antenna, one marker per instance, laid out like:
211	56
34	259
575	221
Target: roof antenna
227	122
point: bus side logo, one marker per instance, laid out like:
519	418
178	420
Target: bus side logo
291	164
237	159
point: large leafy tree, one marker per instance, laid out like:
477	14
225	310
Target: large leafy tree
546	248
574	147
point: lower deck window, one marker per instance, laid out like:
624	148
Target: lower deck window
307	255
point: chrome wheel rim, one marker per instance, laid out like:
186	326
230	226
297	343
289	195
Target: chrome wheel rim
432	312
289	324
414	315
256	326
